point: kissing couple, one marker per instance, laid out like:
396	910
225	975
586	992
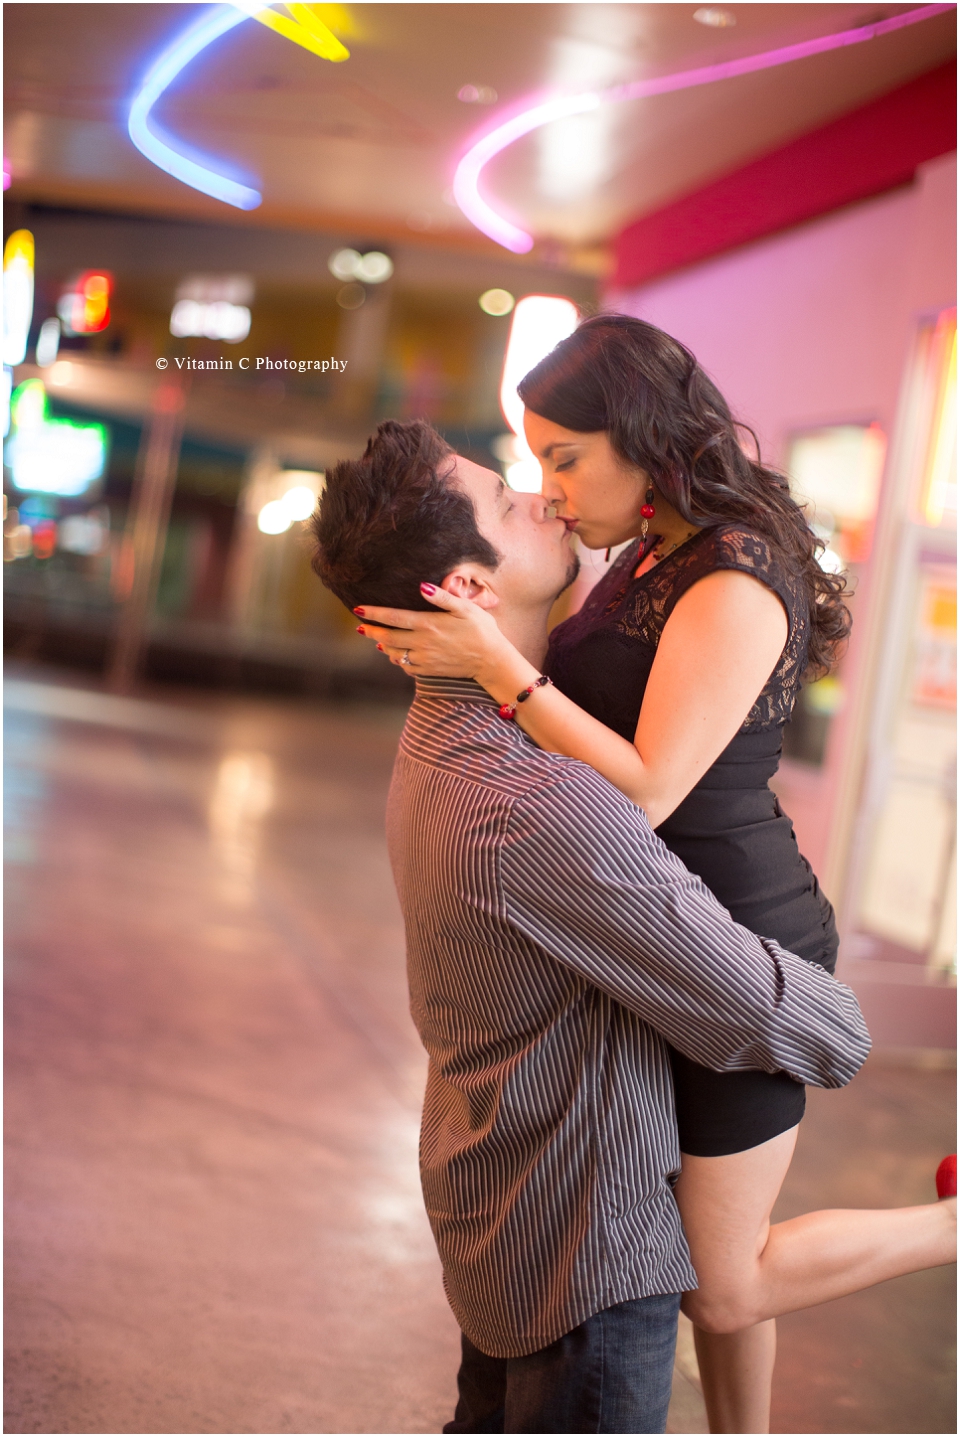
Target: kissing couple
619	962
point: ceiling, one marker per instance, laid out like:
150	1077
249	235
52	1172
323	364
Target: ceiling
369	146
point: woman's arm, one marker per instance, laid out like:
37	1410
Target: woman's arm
717	650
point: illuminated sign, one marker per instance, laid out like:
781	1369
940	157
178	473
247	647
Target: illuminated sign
303	26
48	343
214	321
17	295
7	383
539	323
87	534
835	472
84	308
213	306
939	483
51	456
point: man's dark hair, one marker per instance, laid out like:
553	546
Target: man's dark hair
395	519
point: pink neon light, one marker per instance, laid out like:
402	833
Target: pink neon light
7	176
465	181
467	178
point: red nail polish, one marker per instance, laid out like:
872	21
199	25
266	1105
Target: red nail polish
380	647
360	613
425	589
361	629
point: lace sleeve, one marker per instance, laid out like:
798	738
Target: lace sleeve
752	553
733	547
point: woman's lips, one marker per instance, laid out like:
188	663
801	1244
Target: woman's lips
570	523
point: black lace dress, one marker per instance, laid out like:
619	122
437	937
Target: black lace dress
730	829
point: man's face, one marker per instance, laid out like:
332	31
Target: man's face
537	562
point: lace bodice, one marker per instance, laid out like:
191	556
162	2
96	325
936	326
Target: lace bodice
602	656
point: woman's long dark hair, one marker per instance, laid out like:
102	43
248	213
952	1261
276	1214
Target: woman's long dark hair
662	414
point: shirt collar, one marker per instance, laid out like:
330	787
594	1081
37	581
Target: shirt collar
456	690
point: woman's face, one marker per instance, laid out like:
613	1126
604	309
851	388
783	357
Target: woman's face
595	492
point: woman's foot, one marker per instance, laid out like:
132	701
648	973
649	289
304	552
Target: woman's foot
947	1177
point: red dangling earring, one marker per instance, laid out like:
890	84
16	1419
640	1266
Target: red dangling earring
647	512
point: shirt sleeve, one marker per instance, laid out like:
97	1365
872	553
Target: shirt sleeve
585	877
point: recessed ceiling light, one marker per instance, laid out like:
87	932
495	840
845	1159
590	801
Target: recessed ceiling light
374	267
497	301
343	264
711	15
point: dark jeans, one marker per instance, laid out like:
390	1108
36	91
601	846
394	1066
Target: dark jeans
613	1373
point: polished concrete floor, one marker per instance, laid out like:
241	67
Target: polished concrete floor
214	1222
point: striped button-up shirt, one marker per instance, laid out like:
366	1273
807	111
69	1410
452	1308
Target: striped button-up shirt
553	943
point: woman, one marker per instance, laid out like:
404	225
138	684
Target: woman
675	680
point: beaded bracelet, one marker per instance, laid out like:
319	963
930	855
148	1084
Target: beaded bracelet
509	711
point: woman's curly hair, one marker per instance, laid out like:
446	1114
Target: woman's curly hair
663	414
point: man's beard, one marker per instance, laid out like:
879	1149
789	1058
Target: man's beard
572	572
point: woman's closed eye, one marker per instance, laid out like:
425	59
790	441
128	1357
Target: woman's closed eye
567	464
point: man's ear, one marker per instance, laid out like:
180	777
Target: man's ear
471	583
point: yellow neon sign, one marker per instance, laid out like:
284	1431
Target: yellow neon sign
302	25
17	295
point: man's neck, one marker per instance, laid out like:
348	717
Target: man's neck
527	631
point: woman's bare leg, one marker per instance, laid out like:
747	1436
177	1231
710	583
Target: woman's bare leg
736	1369
750	1271
736	1364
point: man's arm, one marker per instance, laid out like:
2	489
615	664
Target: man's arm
585	877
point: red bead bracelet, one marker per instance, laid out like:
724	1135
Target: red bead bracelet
509	711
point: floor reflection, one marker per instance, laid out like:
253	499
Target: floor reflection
243	794
213	1093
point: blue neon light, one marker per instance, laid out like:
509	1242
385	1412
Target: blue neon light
201	177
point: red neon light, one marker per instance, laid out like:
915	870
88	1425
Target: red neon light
85	307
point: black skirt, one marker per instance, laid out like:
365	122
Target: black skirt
732	831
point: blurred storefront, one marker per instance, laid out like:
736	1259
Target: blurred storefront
315	363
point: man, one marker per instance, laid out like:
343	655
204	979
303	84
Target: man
553	944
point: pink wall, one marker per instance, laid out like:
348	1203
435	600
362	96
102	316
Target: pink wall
811	327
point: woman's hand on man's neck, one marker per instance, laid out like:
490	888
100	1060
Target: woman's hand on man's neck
525	632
